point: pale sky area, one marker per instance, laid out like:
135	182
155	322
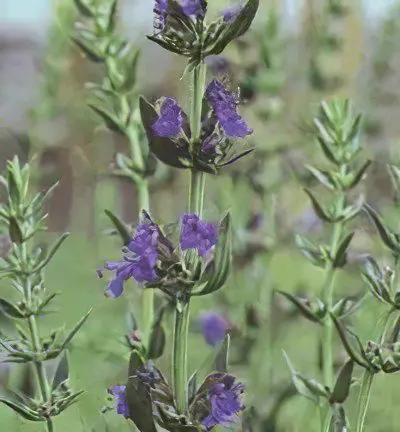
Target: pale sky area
32	12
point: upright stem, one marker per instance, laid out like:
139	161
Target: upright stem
327	332
195	205
363	398
180	371
40	370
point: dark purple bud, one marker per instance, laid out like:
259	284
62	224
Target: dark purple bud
197	234
256	222
224	105
214	327
119	394
231	12
169	123
210	143
218	65
192	7
224	398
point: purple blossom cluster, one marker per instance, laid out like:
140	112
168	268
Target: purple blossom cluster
119	394
224	105
138	262
225	403
169	122
197	234
143	251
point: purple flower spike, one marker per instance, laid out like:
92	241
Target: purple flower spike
169	123
231	12
119	394
197	234
192	7
225	404
224	105
138	262
160	13
214	327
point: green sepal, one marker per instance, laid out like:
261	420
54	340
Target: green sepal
157	338
229	31
138	397
216	273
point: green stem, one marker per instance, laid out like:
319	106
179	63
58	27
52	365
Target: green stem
363	399
180	357
40	370
195	205
327	331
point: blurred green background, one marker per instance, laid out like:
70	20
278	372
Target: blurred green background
42	96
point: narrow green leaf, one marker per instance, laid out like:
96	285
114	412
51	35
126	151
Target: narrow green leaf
347	345
234	29
221	360
62	371
122	228
14	231
21	410
10	310
75	330
216	274
301	306
51	253
343	382
341	255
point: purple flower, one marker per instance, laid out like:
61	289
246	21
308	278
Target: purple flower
197	234
169	123
119	394
218	64
160	12
225	403
224	105
138	261
231	12
192	7
214	327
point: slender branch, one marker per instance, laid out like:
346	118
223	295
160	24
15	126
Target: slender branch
195	205
40	370
363	399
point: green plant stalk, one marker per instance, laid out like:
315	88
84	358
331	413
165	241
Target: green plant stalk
196	199
363	399
142	188
327	331
40	371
